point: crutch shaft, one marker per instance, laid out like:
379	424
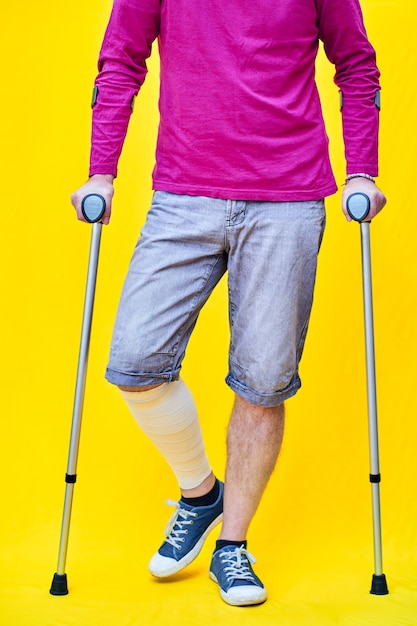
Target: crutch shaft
71	474
84	347
370	348
376	516
375	476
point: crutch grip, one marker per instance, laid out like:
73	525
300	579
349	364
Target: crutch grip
358	206
93	207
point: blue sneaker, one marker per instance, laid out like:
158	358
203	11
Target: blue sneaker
231	569
185	533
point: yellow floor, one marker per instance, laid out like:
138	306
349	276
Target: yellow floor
313	534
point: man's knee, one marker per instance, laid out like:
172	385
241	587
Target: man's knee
242	403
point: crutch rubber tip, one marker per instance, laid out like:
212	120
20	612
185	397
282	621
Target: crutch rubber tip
59	585
379	585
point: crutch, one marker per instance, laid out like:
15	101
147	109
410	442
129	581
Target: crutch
93	208
358	206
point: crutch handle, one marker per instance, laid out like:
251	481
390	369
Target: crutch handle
93	207
358	206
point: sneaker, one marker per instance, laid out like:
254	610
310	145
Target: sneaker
231	569
185	533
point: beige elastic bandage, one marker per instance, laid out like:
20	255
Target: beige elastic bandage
167	415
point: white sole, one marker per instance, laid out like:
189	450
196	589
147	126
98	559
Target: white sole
239	599
156	564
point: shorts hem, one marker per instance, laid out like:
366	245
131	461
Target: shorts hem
140	380
264	399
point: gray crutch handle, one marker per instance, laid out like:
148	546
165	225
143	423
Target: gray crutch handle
358	206
93	207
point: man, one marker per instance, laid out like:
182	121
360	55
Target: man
241	172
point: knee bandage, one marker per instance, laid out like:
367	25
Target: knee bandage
168	416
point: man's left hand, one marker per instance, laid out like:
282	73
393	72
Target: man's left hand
363	185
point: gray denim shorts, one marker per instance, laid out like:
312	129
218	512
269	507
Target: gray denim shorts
269	250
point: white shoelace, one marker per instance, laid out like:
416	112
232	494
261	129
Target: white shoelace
176	527
238	564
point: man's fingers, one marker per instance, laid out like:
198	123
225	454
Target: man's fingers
366	187
99	187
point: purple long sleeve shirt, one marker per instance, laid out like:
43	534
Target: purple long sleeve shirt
240	115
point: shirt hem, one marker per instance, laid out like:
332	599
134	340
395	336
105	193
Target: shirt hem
230	193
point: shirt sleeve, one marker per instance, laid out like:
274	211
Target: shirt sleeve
127	44
342	30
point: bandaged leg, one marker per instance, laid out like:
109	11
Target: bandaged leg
167	415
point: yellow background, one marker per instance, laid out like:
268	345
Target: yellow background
313	533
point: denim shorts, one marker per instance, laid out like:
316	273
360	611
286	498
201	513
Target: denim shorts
269	250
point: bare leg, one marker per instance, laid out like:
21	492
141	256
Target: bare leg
253	442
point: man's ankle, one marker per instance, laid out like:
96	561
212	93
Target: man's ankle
222	543
206	499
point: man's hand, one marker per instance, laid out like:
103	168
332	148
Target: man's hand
363	185
101	184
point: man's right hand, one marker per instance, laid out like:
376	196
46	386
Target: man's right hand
101	184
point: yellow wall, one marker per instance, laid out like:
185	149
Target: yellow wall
313	534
